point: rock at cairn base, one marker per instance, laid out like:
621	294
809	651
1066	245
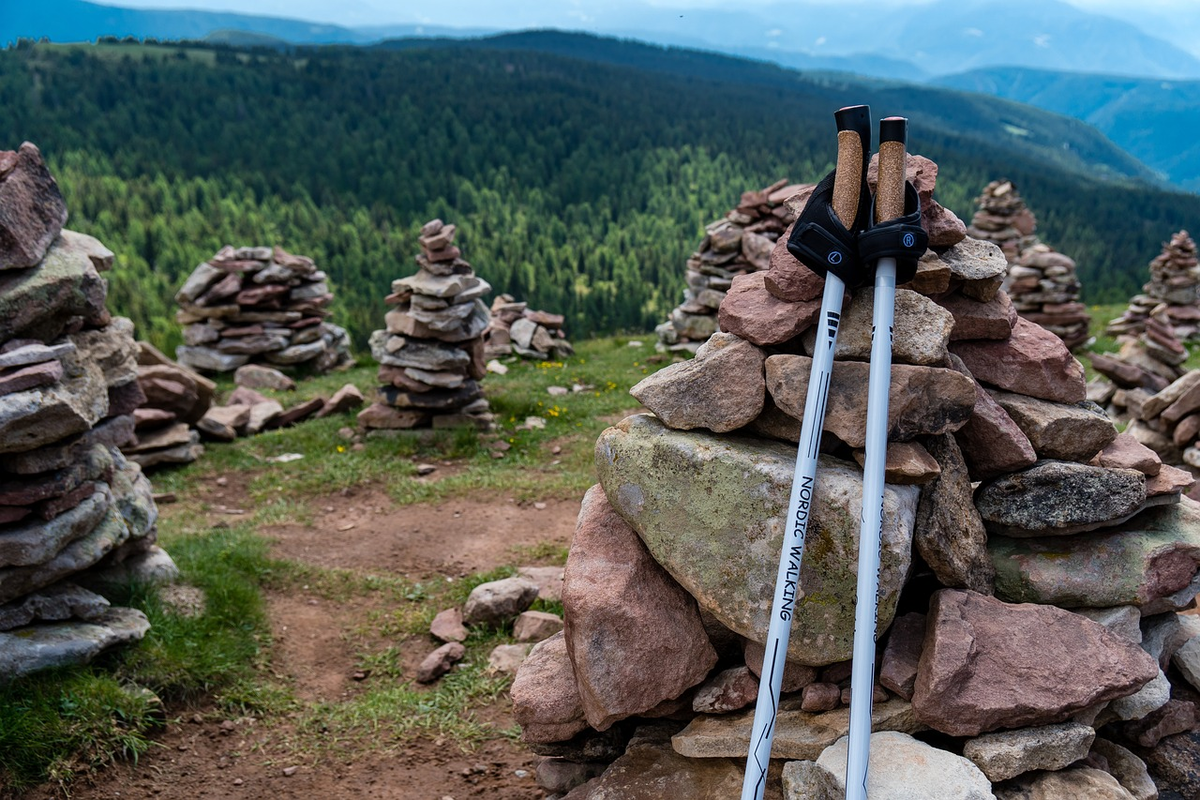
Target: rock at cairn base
516	329
177	398
261	305
1175	284
740	243
70	502
1002	480
431	354
1041	282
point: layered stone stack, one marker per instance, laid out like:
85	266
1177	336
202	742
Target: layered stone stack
1010	615
1173	288
262	305
68	391
515	328
177	398
431	354
1041	281
737	244
1147	363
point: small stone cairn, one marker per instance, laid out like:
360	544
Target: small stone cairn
737	244
1041	281
177	398
71	505
1173	290
517	329
1027	626
258	304
431	354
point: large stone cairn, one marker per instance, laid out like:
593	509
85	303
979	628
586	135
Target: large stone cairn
517	329
737	244
1026	625
70	503
261	305
1041	281
431	352
177	398
1173	290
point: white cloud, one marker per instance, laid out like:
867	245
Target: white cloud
775	32
1042	40
973	32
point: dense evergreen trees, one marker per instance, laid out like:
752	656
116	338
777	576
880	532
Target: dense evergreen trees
578	186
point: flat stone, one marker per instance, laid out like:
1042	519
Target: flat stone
198	282
434	399
1007	754
1032	362
1173	717
57	644
752	313
32	209
148	567
922	401
534	626
344	400
1144	562
507	658
431	356
438	380
991	442
721	389
34	353
729	690
176	434
903	768
448	626
720	532
907	463
1139	705
920	331
546	702
932	277
179	454
37	417
1057	430
52	604
650	770
949	532
902	654
1177	389
207	359
975	320
299	412
297	353
235	416
1126	452
987	665
433	285
1077	783
262	415
111	432
798	734
633	633
18	379
383	416
439	662
75	557
975	260
1129	770
257	376
1057	498
498	602
694	327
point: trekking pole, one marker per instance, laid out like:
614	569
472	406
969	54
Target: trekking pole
823	238
892	198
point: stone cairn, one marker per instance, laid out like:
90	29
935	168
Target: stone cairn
71	505
517	329
737	244
1029	640
1041	281
177	398
431	352
258	304
1172	291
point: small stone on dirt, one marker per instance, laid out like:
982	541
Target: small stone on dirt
289	771
425	469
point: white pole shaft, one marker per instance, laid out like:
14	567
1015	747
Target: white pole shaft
787	581
862	675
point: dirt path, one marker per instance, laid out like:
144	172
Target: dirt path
202	755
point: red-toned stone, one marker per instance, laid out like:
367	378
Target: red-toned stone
754	314
32	210
1126	452
789	280
19	379
1033	361
975	320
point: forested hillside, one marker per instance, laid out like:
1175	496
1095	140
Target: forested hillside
580	186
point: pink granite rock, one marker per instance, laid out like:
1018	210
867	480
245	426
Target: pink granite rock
32	210
1126	452
788	279
633	634
975	320
988	665
1033	361
991	442
754	314
545	697
439	662
902	654
448	626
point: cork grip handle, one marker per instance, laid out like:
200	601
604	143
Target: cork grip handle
847	184
889	195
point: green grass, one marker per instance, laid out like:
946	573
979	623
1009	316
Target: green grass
57	726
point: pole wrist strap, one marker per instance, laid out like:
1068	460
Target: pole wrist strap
822	243
901	238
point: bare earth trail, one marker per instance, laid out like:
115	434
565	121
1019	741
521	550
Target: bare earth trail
202	755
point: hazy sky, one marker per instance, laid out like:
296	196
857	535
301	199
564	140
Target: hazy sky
451	12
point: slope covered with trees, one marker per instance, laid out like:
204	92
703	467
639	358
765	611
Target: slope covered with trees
579	185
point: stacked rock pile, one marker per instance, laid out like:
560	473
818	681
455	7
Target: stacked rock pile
1146	363
737	244
515	328
1027	627
1041	282
177	398
69	499
1173	288
258	304
431	354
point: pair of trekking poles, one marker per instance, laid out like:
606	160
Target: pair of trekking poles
846	237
